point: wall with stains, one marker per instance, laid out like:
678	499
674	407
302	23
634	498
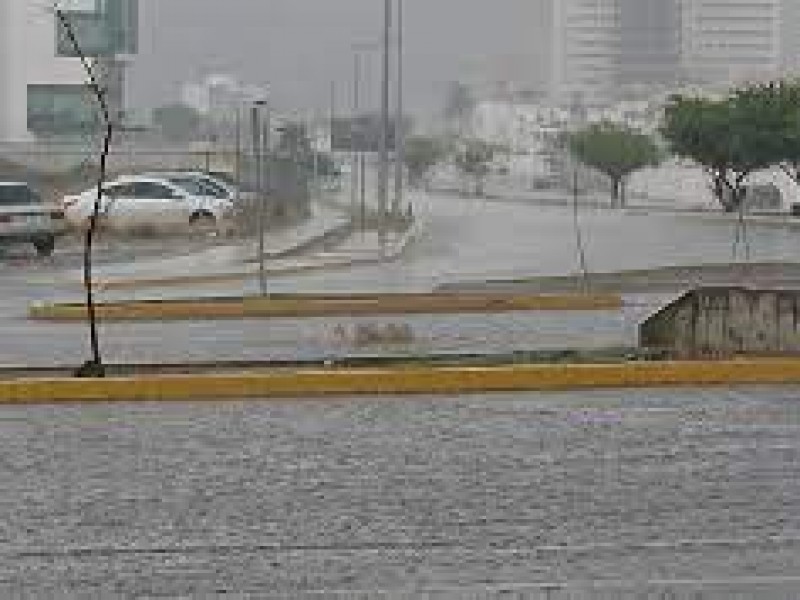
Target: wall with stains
727	321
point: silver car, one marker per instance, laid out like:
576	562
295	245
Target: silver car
25	219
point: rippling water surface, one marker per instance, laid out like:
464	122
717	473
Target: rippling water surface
596	495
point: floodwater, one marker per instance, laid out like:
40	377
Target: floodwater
674	494
468	239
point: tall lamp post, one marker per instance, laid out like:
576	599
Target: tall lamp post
362	81
258	159
354	168
399	132
383	178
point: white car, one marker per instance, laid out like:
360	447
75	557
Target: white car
24	218
214	183
200	181
162	203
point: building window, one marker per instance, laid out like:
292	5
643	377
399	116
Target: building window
61	110
103	27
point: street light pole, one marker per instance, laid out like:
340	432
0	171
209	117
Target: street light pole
238	159
383	178
261	210
354	178
399	167
316	188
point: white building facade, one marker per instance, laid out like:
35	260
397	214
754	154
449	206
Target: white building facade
585	52
732	41
603	50
44	91
28	58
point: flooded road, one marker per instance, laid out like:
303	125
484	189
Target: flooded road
591	495
463	240
475	239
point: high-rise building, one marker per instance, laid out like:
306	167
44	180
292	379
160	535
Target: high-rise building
604	49
585	50
790	32
43	91
650	42
732	40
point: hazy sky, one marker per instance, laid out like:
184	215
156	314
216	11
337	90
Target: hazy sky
299	46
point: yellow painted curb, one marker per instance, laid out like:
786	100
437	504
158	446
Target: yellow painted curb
314	306
400	381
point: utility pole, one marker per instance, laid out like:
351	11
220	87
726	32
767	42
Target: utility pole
266	141
258	159
383	177
399	132
238	158
362	171
316	188
354	168
332	115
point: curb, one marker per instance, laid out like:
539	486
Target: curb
316	306
239	276
342	229
399	381
339	229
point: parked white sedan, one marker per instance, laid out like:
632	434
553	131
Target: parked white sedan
160	203
202	183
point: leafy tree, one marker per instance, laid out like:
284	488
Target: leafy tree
616	151
178	122
730	138
773	111
473	160
421	155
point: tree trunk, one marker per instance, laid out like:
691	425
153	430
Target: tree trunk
723	194
615	191
739	197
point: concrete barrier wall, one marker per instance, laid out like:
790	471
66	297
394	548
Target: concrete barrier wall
727	321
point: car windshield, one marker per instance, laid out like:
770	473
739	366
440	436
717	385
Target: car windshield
224	177
218	189
199	187
11	195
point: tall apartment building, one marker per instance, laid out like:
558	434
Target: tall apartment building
650	42
585	50
732	40
43	91
790	32
602	49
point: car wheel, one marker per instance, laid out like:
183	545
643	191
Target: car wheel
203	223
45	246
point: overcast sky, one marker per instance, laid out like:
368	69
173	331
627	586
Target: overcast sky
299	46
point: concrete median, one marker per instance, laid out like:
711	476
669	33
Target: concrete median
276	266
298	306
419	380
